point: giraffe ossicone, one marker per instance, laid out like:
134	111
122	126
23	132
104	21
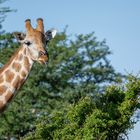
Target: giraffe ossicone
32	48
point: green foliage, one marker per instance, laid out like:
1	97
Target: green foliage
89	120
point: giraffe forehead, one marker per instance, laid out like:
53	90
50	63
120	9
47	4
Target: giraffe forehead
38	40
37	36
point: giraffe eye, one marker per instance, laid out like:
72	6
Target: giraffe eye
28	43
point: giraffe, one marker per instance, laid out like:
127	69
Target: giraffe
16	71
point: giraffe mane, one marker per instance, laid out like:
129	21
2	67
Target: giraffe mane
11	59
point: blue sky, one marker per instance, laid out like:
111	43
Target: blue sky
116	21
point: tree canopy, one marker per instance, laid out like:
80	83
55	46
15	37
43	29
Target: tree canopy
109	117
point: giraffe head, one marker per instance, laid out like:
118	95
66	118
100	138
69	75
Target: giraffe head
35	40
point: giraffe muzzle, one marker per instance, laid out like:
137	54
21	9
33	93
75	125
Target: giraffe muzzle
43	57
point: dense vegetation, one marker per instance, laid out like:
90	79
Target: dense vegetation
78	95
108	117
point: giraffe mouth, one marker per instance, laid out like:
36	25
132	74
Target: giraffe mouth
43	57
43	60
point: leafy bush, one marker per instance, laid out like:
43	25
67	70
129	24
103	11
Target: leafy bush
91	120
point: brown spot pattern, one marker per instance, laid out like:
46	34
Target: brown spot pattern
26	63
9	76
24	51
11	59
1	79
23	73
16	66
2	89
16	82
1	106
20	57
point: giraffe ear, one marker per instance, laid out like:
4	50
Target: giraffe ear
19	36
50	34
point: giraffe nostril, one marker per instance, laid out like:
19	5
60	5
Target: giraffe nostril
41	53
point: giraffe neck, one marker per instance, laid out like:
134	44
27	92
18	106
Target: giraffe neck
13	75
